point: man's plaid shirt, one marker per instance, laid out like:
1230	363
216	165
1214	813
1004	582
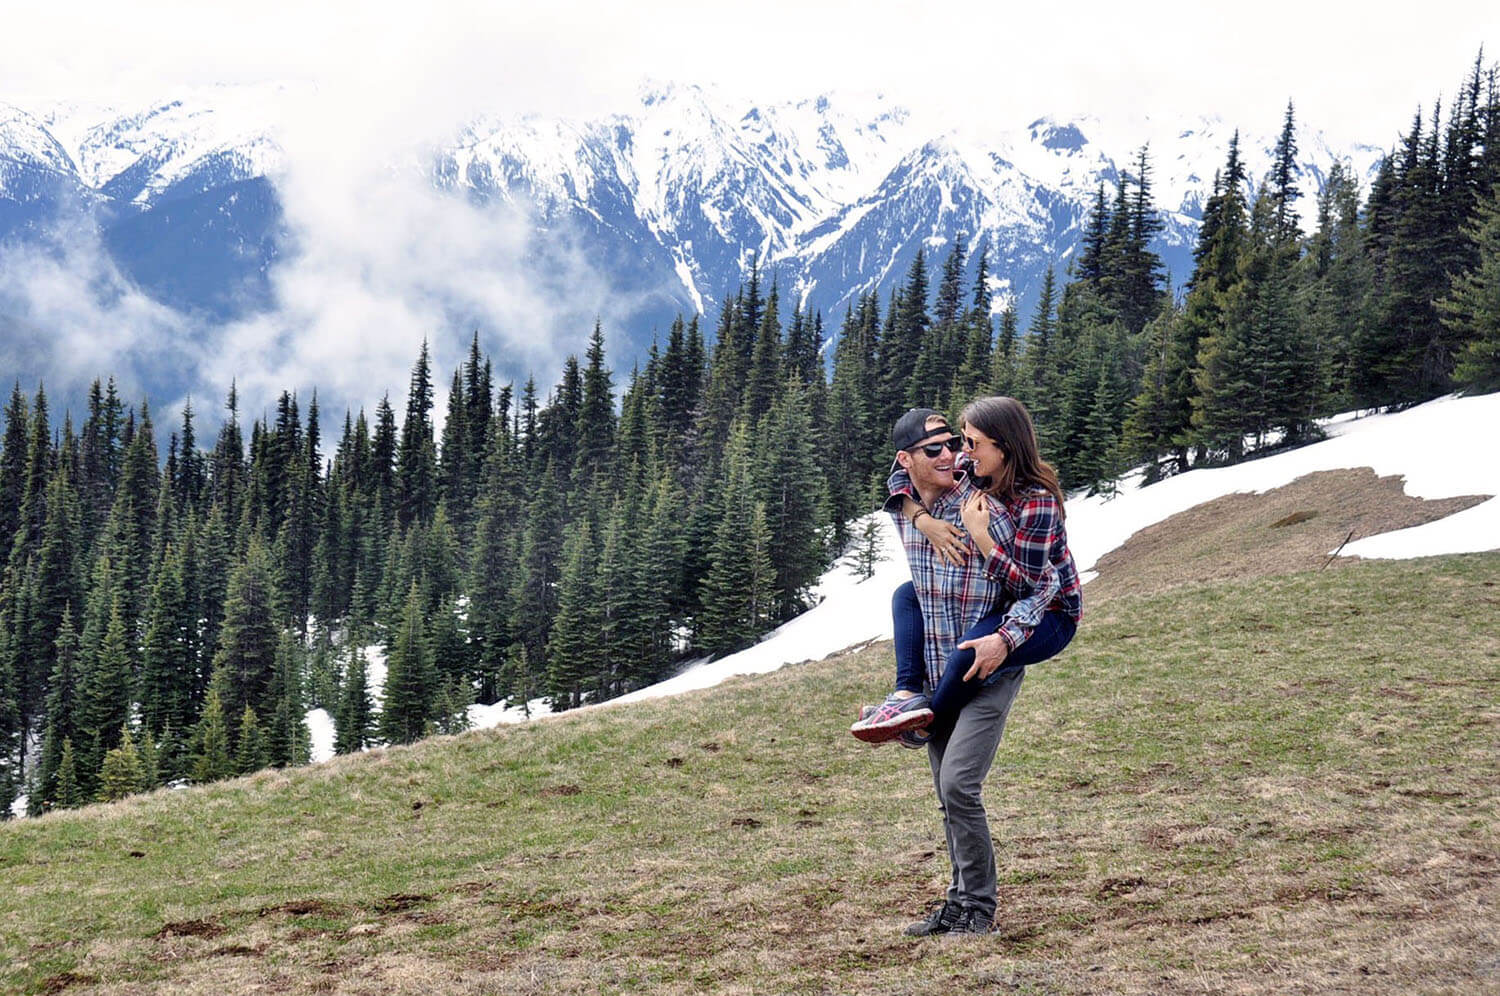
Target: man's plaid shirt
1030	570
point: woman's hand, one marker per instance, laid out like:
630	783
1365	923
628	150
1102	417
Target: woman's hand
989	653
946	538
976	515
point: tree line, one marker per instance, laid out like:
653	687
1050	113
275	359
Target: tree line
173	616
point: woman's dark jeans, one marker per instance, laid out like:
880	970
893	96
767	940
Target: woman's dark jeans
1051	635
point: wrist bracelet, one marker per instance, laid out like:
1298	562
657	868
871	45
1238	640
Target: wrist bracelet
918	514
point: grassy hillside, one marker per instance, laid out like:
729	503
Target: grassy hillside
1284	784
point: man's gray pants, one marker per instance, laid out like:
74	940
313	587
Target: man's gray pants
960	761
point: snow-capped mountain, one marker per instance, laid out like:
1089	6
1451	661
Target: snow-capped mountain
669	198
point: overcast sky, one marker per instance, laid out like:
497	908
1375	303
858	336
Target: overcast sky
383	255
1355	69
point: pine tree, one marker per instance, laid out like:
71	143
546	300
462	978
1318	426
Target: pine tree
286	735
37	471
479	401
55	585
1403	356
383	463
1471	309
1092	246
849	414
1283	182
245	665
354	724
660	596
736	596
681	379
1335	282
519	679
410	690
1141	281
976	369
121	773
575	654
1152	425
902	347
446	635
104	697
13	464
208	589
595	427
1004	377
492	565
61	724
211	758
168	661
794	497
227	464
68	794
764	375
1040	333
190	485
868	552
131	528
1201	390
535	601
416	483
250	747
453	456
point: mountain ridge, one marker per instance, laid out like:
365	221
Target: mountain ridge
669	199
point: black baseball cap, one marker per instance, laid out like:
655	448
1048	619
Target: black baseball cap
911	428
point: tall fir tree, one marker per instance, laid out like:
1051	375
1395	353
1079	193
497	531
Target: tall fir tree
354	723
245	666
416	484
409	683
576	654
795	499
1471	309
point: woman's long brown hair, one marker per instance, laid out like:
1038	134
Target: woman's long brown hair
1008	423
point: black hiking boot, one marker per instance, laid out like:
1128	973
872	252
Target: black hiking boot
942	919
972	920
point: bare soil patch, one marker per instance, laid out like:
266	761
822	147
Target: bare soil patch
190	928
64	981
1290	529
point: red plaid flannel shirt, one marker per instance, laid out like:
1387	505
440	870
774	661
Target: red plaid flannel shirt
1030	569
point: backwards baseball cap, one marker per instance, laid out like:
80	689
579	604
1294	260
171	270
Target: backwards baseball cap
911	428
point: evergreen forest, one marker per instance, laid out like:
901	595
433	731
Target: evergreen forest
173	615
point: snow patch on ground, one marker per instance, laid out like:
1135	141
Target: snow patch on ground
1431	446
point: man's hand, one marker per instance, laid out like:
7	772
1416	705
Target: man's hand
946	538
989	653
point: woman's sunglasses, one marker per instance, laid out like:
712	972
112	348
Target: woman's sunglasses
952	444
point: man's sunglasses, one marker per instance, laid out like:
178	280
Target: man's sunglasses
952	444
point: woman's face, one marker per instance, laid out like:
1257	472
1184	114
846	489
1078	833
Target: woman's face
984	451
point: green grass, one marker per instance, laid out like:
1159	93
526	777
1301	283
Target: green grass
1283	785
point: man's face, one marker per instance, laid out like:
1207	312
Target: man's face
930	470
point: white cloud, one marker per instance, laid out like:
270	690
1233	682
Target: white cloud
67	310
1344	63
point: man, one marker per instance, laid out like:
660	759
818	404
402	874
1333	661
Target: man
957	601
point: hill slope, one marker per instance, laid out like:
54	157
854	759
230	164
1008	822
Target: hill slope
1282	783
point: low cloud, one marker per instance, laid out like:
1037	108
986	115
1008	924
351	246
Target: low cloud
68	316
376	259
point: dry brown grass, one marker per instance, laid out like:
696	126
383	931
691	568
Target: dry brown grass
1283	531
